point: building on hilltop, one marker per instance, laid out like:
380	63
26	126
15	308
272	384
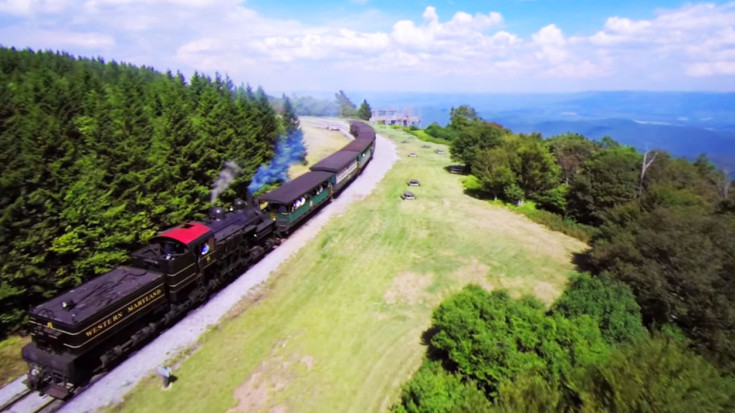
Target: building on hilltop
392	117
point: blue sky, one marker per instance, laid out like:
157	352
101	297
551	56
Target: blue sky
409	45
524	17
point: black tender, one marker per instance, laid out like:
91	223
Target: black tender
89	301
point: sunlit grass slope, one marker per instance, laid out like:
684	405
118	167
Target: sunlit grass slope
12	364
320	143
337	328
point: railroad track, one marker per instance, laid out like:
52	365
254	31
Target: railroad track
33	402
16	398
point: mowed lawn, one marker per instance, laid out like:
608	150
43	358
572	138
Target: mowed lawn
337	328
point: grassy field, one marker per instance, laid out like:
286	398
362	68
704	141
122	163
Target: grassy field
11	363
320	143
337	327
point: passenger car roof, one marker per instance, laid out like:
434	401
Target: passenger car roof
358	145
336	161
291	191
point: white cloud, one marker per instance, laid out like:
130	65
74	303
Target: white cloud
406	33
551	43
31	7
85	40
17	7
462	30
711	68
193	3
692	42
688	26
696	40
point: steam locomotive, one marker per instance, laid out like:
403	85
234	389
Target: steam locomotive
94	325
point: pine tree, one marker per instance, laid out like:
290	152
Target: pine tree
365	112
293	133
290	120
346	107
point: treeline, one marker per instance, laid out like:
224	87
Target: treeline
660	228
96	157
310	106
488	352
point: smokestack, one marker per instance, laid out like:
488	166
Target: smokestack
217	214
239	205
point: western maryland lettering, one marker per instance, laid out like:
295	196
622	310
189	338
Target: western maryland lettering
123	313
104	324
144	300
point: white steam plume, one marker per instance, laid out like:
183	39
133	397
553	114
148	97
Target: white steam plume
226	177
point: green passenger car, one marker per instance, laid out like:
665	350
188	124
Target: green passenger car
290	204
343	165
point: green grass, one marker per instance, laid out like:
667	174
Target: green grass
11	363
421	134
554	221
551	220
337	328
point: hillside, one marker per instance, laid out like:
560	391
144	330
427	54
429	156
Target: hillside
336	327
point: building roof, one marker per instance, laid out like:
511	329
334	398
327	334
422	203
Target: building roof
336	161
289	192
186	233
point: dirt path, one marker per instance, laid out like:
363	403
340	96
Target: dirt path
184	334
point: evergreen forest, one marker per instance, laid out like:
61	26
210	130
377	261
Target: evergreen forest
96	157
649	323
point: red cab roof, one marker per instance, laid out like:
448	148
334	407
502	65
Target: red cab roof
186	233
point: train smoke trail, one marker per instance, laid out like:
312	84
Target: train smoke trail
290	149
226	177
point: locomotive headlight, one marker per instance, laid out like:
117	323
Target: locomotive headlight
34	370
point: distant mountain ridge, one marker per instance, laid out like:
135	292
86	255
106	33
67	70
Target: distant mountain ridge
684	123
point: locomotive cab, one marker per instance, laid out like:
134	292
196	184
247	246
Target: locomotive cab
180	253
177	249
